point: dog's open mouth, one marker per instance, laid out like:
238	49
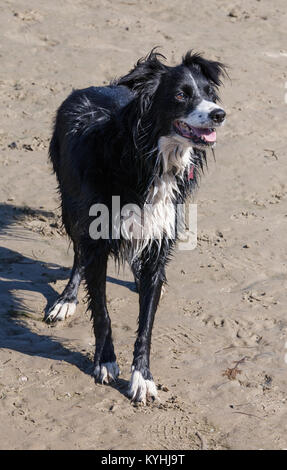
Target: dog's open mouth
199	135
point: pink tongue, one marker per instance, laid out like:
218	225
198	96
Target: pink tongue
207	134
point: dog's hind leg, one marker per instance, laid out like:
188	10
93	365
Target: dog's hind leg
106	368
66	303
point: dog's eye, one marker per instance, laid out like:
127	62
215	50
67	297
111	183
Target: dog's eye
180	96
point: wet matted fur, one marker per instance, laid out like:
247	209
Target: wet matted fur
139	139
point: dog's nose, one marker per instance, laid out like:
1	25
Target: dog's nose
217	115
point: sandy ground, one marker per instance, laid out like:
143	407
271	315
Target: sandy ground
220	334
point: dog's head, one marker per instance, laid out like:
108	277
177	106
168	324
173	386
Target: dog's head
182	99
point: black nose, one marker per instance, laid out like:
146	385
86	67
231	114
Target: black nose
217	115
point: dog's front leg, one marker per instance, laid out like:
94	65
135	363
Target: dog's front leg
106	368
142	385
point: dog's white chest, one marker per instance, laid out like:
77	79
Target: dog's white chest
160	207
158	217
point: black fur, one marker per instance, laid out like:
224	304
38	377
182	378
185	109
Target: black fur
105	143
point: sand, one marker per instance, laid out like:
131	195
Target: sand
219	341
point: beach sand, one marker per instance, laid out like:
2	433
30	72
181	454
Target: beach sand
219	340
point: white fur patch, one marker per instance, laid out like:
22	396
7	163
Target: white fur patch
200	116
162	292
141	389
157	219
107	372
61	311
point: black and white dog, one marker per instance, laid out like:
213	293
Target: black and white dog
143	139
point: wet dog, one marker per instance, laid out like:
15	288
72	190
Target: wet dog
141	141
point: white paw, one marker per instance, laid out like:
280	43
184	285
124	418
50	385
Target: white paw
107	372
141	389
60	311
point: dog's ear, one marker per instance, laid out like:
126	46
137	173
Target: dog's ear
212	69
145	77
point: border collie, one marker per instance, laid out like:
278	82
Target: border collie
143	138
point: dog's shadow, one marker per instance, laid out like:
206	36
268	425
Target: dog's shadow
18	274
